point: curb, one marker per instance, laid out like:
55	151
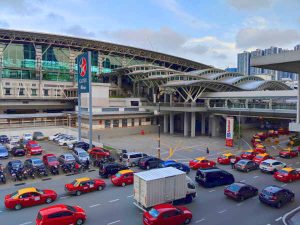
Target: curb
284	218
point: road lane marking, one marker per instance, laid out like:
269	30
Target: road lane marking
283	185
198	221
239	204
255	177
63	197
242	180
92	206
29	222
222	211
129	196
115	200
279	218
212	190
117	221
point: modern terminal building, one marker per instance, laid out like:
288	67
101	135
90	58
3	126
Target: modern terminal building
38	86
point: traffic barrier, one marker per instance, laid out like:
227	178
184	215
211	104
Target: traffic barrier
19	184
48	178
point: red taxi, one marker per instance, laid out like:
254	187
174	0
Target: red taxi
272	133
287	174
33	148
225	158
27	197
249	154
201	162
167	214
256	141
61	215
283	131
98	153
262	135
84	185
261	157
288	153
259	148
122	178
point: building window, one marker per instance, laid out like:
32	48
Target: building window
107	123
132	122
33	92
21	91
140	122
116	123
46	92
148	119
7	91
124	122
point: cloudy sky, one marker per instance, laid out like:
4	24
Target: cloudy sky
208	31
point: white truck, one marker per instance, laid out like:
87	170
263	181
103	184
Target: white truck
162	185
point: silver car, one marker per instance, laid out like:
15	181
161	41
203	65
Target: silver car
132	158
81	155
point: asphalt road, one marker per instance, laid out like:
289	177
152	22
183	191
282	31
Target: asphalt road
114	205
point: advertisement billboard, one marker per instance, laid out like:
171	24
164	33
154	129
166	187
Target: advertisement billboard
229	131
83	73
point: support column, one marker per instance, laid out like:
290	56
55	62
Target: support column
203	124
166	125
171	99
193	124
133	87
165	97
138	89
246	104
185	124
171	122
1	68
213	131
100	65
38	67
72	57
298	100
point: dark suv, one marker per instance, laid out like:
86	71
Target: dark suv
109	169
149	162
212	177
85	146
276	196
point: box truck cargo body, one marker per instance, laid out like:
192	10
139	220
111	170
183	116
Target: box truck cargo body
159	186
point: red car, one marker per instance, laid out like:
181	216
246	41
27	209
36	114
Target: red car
167	214
288	153
262	135
256	141
61	215
97	153
29	197
225	158
33	148
259	148
201	162
249	154
273	133
122	178
261	157
50	160
84	185
287	174
283	131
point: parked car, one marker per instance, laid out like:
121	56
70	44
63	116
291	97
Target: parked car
109	169
27	137
38	136
167	214
225	158
66	141
201	163
15	138
177	165
262	135
85	146
261	157
18	151
259	149
4	139
11	144
98	153
149	162
240	191
29	197
246	165
287	174
212	177
61	215
283	131
3	152
50	160
66	158
59	137
288	153
36	165
51	137
276	196
33	148
256	141
249	154
122	178
84	185
15	169
272	133
271	165
132	158
81	155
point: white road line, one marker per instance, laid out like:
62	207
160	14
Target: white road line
92	206
129	196
1	211
115	200
212	190
283	185
222	211
239	204
278	219
242	180
255	177
64	197
117	221
198	221
29	222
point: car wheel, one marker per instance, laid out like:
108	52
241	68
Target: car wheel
100	188
79	222
187	221
241	198
18	207
292	199
148	167
133	164
123	184
278	205
290	180
247	170
256	193
78	193
48	200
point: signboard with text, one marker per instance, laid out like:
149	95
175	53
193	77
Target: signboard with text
229	131
83	73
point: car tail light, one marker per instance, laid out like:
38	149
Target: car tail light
273	198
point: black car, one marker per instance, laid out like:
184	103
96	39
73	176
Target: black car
276	196
246	165
4	139
15	169
149	162
240	191
36	165
212	177
18	151
109	169
85	146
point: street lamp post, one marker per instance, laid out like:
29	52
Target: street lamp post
158	148
239	129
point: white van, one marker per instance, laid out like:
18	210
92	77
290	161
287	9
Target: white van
132	158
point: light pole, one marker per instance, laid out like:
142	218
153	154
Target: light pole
158	148
239	129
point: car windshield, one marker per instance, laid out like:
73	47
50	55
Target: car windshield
74	183
154	213
16	165
248	153
37	162
69	157
3	150
259	156
83	154
27	135
267	193
224	157
242	162
13	195
265	164
71	208
35	145
234	188
283	171
52	159
40	191
118	175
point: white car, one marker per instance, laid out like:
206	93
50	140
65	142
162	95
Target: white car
12	144
27	137
271	165
67	141
15	138
52	137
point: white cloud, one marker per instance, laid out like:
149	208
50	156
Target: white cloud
256	22
78	31
250	4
